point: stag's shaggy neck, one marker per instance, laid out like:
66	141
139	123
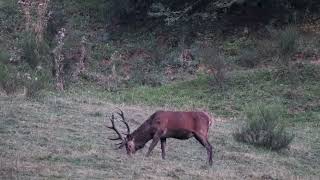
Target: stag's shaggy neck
143	134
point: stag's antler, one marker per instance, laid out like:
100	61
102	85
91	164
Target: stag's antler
124	121
113	127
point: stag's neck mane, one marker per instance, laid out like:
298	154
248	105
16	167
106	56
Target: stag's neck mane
144	133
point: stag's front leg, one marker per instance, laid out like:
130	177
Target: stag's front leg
163	147
154	142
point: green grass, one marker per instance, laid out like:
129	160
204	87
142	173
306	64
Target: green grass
242	87
63	136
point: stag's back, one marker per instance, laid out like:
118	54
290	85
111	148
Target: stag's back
180	120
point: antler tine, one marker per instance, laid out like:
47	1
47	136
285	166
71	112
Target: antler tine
115	129
120	146
120	143
127	125
121	114
113	139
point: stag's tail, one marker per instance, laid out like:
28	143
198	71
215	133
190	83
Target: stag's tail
209	117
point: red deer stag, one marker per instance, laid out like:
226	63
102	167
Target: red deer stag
162	125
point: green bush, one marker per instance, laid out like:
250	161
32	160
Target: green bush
297	73
215	61
145	73
264	127
9	82
287	44
256	51
4	73
33	52
9	16
29	48
97	10
37	82
4	57
248	58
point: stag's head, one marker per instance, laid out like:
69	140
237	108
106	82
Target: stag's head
127	141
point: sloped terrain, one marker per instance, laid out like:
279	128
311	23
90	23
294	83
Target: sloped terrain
64	137
143	65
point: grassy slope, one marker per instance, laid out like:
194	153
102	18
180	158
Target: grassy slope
243	87
63	136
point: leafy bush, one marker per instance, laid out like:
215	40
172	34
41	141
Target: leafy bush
9	16
29	47
33	52
8	80
287	45
4	73
145	73
297	73
151	79
215	61
4	57
264	127
248	58
287	42
98	10
35	83
11	81
307	72
255	52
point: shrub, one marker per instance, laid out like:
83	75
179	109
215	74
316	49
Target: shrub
264	127
9	83
306	72
287	44
29	48
9	16
298	73
145	73
35	83
33	51
4	57
98	10
215	62
4	73
256	52
248	58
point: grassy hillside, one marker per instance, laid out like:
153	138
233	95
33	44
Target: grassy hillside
61	136
242	87
64	137
211	60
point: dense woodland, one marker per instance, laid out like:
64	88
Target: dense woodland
253	64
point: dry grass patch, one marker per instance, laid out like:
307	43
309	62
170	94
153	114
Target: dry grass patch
58	137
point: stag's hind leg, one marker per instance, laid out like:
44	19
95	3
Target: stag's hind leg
205	143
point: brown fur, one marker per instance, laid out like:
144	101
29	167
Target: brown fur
170	124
